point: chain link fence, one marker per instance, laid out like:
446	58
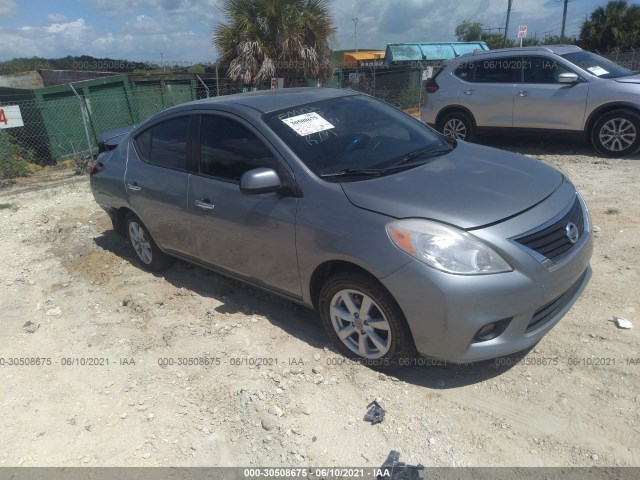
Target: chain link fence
629	59
399	86
64	122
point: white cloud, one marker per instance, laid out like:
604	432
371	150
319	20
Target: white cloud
7	8
201	9
54	40
180	30
74	29
56	18
388	21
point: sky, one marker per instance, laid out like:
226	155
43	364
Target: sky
179	31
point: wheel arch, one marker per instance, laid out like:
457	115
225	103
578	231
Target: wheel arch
118	218
329	268
606	108
454	109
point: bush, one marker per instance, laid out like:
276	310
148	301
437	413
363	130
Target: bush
14	158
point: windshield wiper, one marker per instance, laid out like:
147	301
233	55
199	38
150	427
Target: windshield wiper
431	152
404	162
354	172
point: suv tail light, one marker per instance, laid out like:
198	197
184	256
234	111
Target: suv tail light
432	86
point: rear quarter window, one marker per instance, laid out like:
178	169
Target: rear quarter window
465	71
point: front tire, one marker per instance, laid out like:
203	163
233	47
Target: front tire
145	249
364	321
616	134
458	125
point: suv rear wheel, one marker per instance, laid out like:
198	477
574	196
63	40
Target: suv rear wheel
457	125
616	134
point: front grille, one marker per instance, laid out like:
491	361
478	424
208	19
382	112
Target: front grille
552	242
547	312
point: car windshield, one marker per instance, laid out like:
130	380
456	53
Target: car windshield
596	65
354	137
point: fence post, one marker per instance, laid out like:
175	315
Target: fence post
203	84
217	82
85	119
420	90
374	77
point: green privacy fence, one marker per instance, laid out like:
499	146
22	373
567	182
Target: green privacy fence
64	121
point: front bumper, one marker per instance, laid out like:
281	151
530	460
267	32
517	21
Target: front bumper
445	311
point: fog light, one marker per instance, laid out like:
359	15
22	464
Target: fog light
491	330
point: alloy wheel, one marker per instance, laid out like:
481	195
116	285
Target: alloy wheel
140	243
617	134
455	128
360	324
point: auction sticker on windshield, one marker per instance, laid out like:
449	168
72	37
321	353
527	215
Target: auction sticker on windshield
597	70
308	123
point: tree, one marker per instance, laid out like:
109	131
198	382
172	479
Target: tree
469	31
616	25
275	38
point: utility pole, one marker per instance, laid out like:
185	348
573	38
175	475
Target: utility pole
564	21
506	27
355	26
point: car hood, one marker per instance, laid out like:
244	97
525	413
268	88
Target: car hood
629	79
469	187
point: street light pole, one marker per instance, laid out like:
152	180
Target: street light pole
506	27
564	21
355	27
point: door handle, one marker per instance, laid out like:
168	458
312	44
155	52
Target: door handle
204	204
522	93
134	187
468	92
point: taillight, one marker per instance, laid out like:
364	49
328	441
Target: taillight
432	86
94	166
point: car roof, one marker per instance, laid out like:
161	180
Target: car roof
266	101
557	49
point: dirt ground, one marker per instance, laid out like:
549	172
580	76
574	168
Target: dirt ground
104	340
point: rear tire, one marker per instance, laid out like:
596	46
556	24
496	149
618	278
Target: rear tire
364	321
145	249
458	125
616	134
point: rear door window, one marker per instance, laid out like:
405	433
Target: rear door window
165	144
498	70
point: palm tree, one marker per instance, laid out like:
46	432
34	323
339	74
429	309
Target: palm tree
616	25
275	38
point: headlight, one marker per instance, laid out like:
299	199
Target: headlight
445	248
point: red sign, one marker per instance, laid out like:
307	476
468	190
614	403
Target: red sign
10	117
522	31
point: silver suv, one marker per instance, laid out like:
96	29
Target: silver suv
545	89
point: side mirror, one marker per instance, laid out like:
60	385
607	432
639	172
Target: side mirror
568	78
260	180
